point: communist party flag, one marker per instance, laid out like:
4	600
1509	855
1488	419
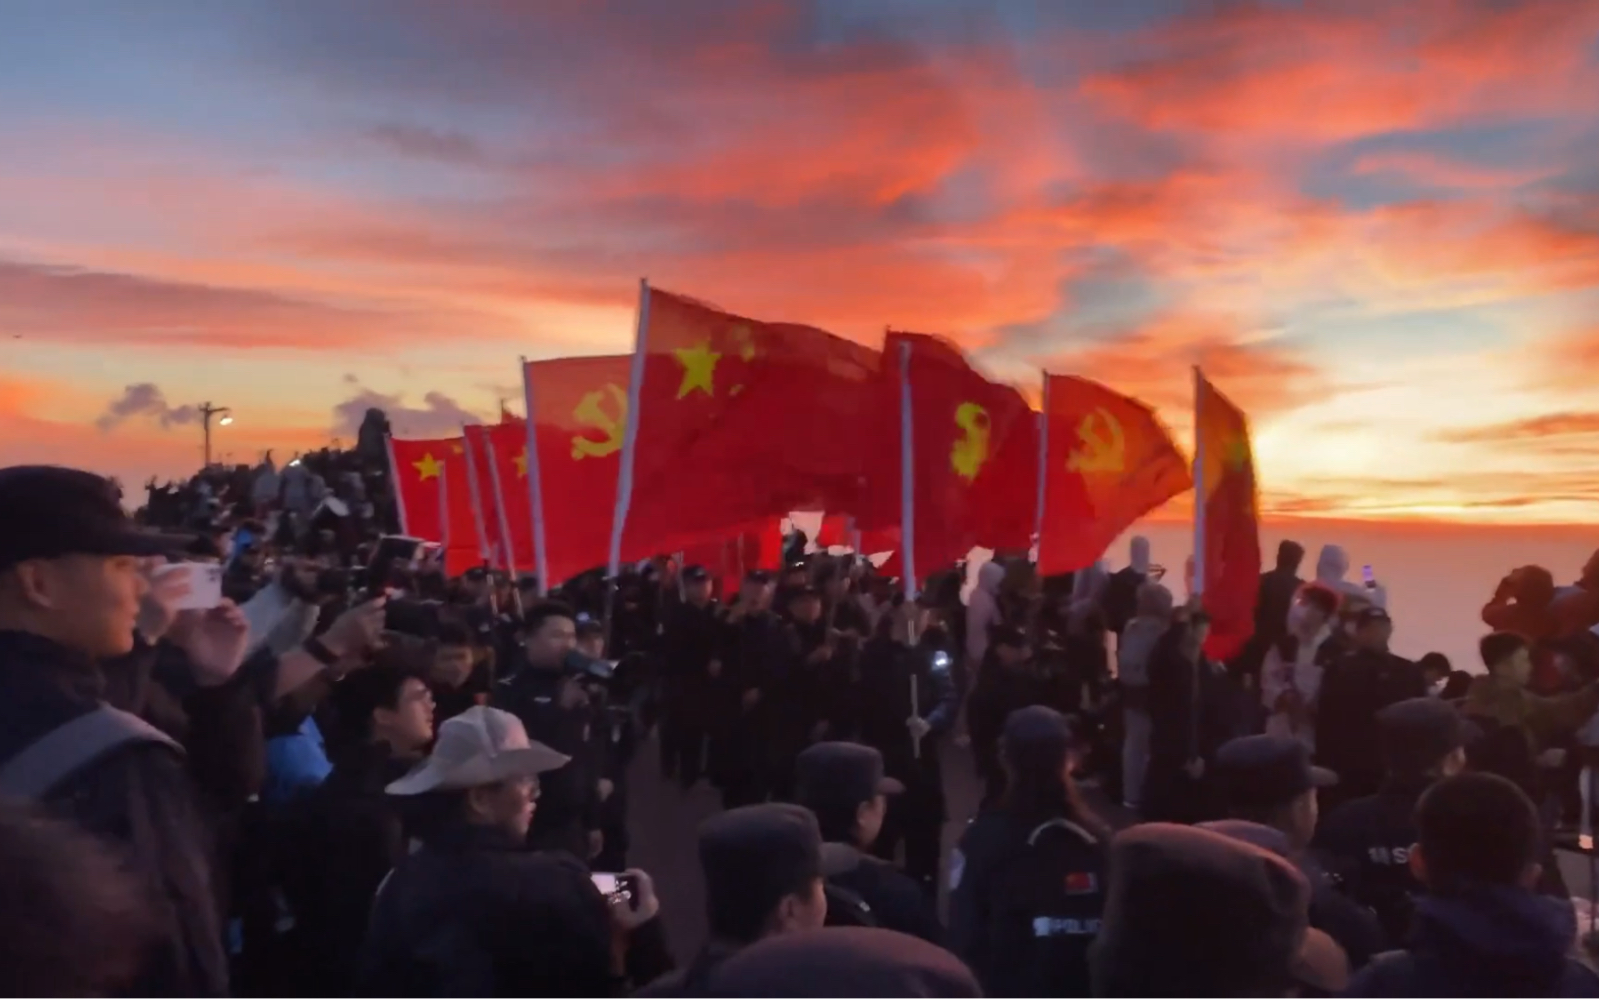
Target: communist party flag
1109	462
499	459
1227	514
963	474
740	420
434	492
579	409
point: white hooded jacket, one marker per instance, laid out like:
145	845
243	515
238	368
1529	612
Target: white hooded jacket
1331	568
982	611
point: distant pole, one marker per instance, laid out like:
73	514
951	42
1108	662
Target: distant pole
206	412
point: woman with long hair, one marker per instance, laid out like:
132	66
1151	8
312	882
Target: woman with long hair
1026	882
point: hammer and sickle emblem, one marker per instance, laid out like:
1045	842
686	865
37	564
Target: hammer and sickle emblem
1103	449
970	450
590	411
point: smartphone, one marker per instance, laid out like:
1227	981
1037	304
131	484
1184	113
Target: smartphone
205	584
623	887
1369	576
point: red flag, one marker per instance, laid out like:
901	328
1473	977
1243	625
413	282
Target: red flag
433	512
499	456
1230	512
965	477
1110	462
835	530
740	421
580	419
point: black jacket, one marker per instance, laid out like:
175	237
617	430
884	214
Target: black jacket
1354	688
1485	941
568	797
141	798
342	841
1025	902
1367	843
474	913
896	902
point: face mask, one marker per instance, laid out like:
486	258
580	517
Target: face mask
1436	688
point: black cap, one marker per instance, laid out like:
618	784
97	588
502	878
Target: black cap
1161	936
758	576
1266	770
590	629
50	512
842	772
1369	615
476	574
1037	736
696	574
1423	730
759	852
843	961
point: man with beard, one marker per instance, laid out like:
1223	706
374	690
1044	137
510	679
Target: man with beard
753	646
689	650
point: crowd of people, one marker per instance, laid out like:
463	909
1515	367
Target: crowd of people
353	775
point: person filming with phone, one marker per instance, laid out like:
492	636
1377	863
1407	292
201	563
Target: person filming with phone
474	912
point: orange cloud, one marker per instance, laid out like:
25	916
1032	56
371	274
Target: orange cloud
1154	363
1327	73
1550	431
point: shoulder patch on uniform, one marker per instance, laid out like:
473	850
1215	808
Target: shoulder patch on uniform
1081	883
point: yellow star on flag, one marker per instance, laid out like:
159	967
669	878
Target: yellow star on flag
699	368
521	464
429	467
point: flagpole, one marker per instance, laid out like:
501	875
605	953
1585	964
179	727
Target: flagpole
907	472
1199	490
535	485
1043	472
444	509
499	507
394	482
477	499
624	473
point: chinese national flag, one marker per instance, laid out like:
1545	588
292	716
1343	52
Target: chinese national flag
966	477
1229	512
1110	462
580	421
429	510
499	456
741	420
835	530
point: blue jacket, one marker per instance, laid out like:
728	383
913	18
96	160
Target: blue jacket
1484	941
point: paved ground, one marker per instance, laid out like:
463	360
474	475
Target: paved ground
663	819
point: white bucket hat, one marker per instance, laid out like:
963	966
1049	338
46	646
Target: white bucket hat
477	747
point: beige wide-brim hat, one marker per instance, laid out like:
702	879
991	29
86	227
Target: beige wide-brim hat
479	746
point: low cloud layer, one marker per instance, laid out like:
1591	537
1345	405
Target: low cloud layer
145	401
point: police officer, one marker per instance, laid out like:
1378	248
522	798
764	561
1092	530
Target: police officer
763	878
1368	840
906	704
550	700
1271	789
808	696
844	784
1027	880
754	654
689	646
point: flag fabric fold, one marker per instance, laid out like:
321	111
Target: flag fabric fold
579	407
1108	462
740	420
434	496
974	458
1227	518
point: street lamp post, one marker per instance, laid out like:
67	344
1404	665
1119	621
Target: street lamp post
206	412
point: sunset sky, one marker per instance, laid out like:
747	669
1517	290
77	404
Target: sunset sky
1376	224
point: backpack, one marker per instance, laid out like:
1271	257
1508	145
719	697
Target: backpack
64	751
